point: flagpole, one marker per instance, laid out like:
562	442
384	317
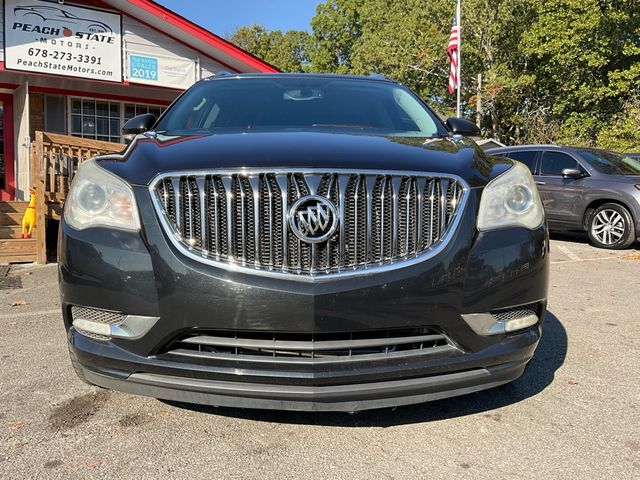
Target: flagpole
459	58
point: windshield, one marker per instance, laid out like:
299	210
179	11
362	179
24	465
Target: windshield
299	103
611	163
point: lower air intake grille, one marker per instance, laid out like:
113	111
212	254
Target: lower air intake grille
309	348
97	315
516	312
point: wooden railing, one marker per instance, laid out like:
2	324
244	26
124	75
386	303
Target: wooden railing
54	161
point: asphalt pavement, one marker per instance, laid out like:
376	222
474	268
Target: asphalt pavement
574	414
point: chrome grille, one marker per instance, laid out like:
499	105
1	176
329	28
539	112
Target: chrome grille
241	219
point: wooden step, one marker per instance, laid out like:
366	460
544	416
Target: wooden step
14	231
10	207
17	250
10	218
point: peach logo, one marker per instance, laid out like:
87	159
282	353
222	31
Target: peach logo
67	32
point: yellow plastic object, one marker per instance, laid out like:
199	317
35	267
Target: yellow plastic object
29	218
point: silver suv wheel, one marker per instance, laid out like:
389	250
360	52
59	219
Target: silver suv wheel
608	226
611	226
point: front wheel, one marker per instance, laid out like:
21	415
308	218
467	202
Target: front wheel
611	226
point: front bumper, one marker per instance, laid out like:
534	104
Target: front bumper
345	398
143	275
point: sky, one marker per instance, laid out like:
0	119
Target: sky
223	17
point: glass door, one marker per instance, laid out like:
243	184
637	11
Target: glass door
7	180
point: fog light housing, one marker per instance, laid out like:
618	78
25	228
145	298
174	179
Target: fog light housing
507	320
520	323
105	325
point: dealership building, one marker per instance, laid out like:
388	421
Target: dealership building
82	68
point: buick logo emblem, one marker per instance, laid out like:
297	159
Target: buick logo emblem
313	219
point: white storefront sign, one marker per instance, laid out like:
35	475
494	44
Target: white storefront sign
160	71
61	39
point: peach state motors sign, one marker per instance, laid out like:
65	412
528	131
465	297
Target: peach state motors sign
59	39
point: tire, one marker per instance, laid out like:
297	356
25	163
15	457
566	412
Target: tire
611	226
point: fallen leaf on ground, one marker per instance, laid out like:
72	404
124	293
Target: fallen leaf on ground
572	382
21	444
631	256
17	425
94	463
18	302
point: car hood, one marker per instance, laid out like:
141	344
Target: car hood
149	155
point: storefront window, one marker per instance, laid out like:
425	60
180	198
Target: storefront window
102	119
131	110
97	119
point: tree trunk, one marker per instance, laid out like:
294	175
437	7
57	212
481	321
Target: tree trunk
495	122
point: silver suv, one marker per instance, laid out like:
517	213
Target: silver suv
585	189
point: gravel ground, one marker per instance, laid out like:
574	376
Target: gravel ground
574	414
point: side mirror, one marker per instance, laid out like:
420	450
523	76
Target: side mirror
139	124
462	126
574	173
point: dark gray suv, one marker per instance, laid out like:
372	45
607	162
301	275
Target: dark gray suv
302	242
585	189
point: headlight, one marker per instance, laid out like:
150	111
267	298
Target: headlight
98	198
511	200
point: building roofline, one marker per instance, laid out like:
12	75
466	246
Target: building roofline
191	34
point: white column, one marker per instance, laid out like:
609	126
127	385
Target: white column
22	142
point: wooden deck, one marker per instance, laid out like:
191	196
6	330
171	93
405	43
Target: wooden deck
13	248
55	159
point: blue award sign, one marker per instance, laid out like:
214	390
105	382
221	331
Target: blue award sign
143	68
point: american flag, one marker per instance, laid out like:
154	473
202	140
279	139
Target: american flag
453	54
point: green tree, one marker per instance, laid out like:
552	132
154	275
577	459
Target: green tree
288	52
336	28
492	33
622	131
533	71
585	55
405	41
